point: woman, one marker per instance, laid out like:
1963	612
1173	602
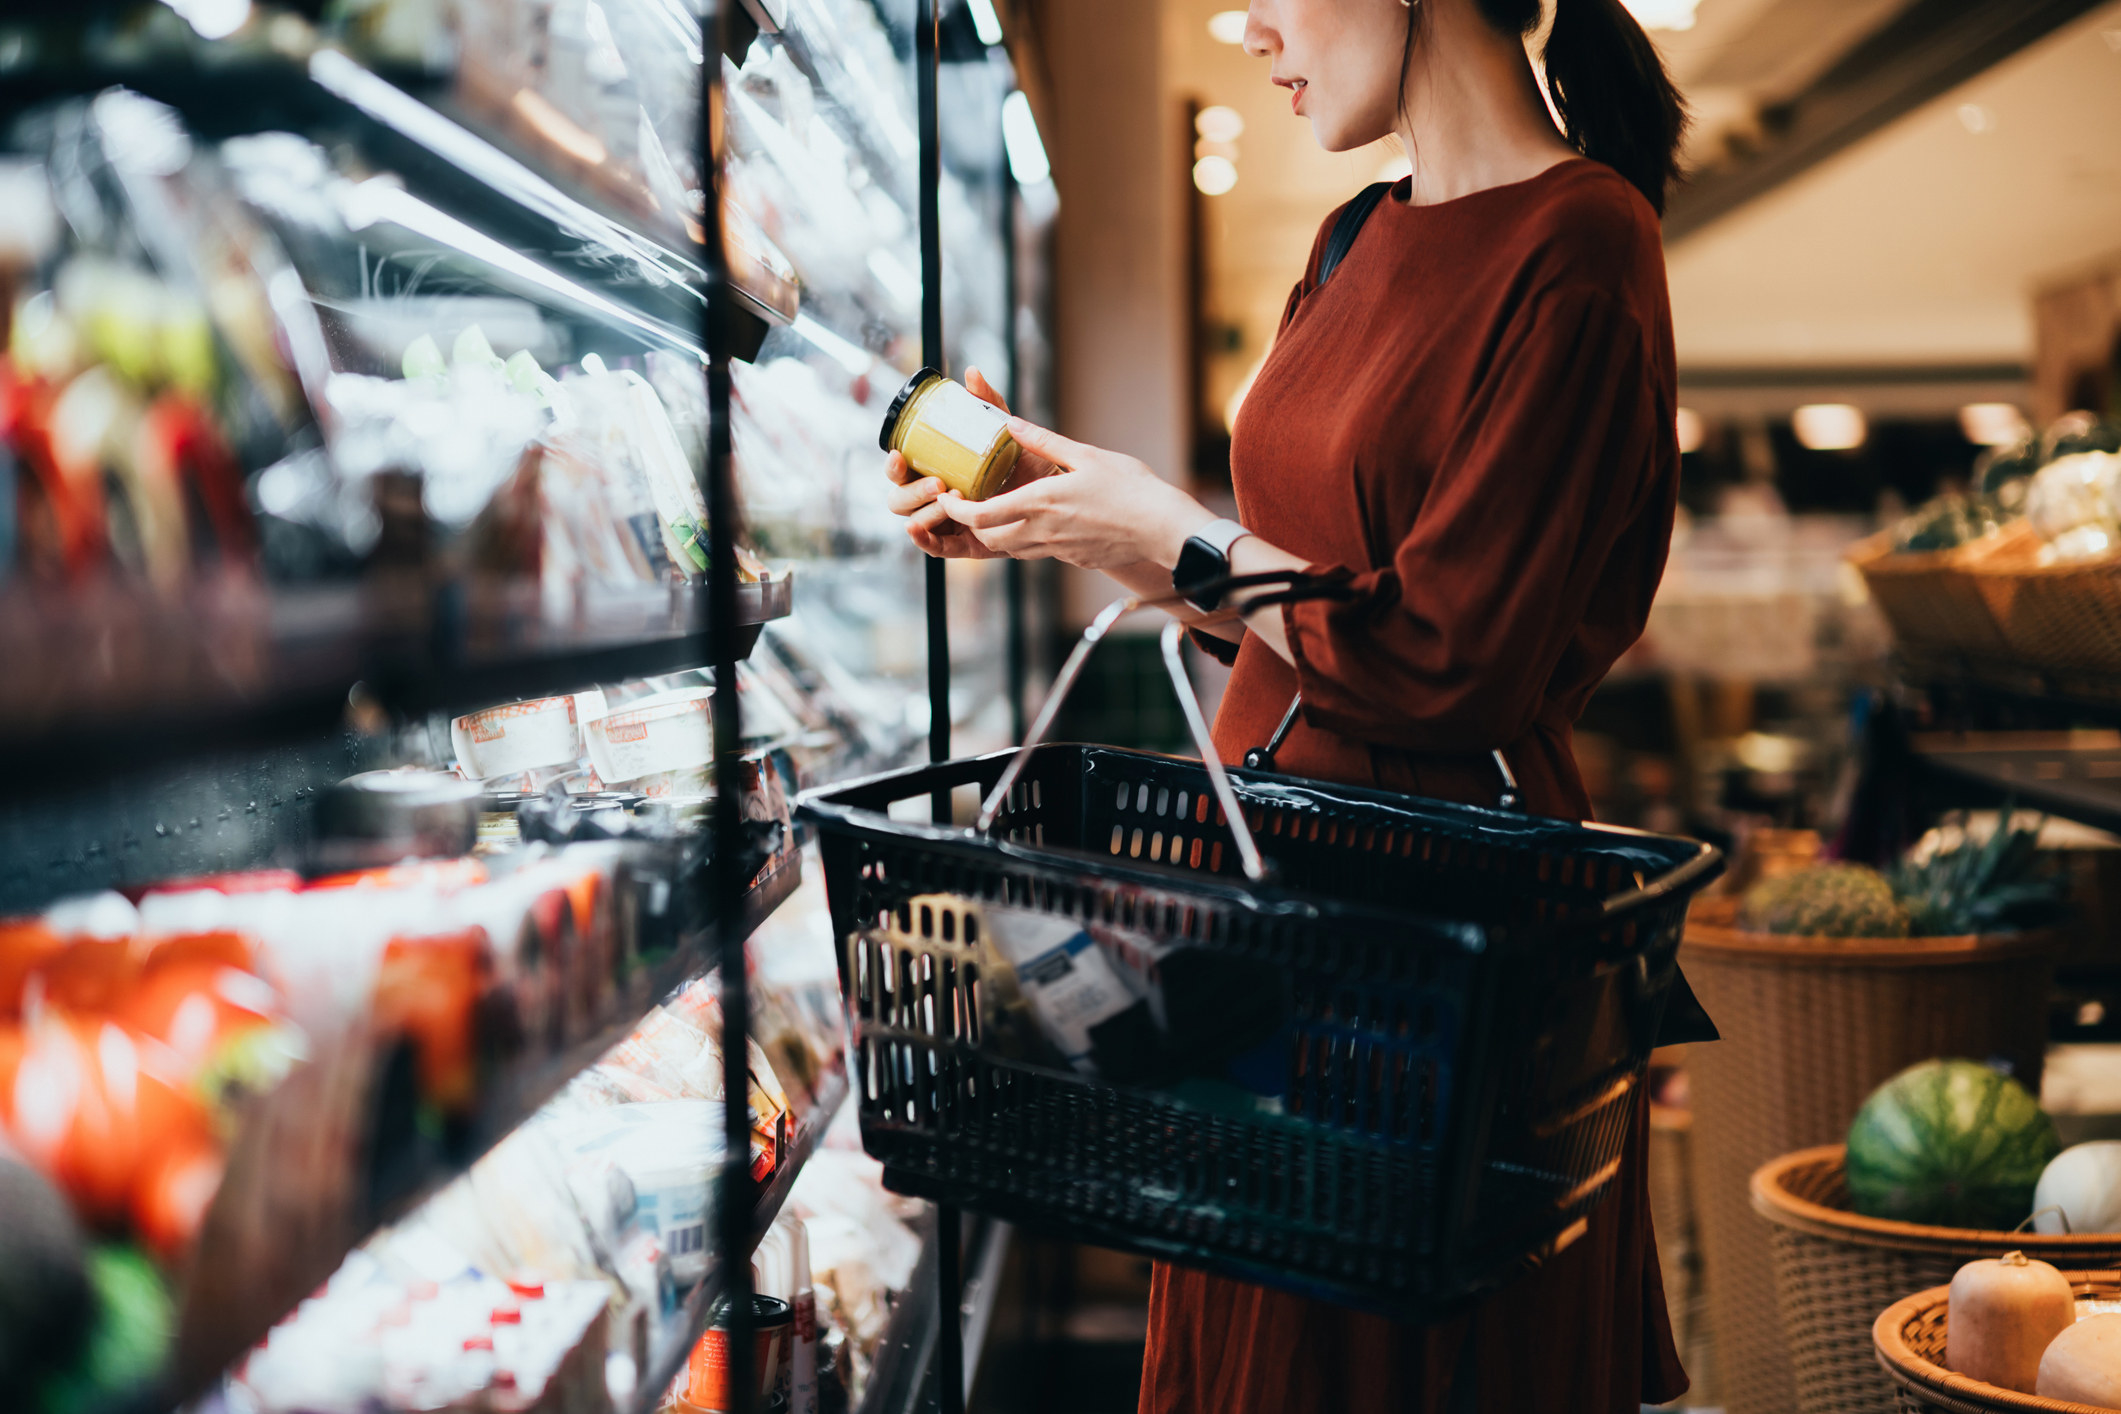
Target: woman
1472	423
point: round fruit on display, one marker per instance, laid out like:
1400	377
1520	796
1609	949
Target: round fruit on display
2004	1311
1949	1143
2083	1364
1825	900
2080	1191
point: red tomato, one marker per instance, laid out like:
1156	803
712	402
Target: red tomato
25	946
194	1006
172	1193
91	975
223	947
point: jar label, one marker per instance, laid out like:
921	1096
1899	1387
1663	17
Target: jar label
955	413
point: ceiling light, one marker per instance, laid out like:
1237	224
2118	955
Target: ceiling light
985	22
1830	427
1219	124
1992	424
1976	119
1663	14
1227	26
1215	175
1027	155
1691	432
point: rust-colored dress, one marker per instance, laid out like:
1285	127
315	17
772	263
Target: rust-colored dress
1473	416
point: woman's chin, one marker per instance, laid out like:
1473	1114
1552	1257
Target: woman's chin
1340	136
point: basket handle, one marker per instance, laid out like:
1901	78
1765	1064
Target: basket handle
1255	865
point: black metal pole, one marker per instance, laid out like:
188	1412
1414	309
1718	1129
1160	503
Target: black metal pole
729	866
1018	669
931	178
949	1337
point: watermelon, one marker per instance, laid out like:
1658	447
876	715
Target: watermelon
1949	1143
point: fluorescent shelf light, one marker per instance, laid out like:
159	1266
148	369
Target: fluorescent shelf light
213	19
985	22
855	360
1830	427
1027	155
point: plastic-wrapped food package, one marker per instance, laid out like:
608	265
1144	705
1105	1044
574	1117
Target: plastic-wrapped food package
2074	503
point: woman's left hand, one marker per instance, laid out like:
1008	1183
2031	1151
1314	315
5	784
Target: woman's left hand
1100	510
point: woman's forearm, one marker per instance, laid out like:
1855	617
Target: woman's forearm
1151	580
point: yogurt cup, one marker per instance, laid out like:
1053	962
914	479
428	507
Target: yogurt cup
670	731
517	737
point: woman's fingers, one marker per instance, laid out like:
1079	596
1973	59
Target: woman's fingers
976	382
909	497
1050	445
995	510
899	469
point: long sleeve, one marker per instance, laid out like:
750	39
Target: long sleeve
1451	646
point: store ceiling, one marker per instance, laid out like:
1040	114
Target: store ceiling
1918	246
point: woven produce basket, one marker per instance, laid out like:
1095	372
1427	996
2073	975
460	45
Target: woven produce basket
1810	1027
1835	1270
1930	598
2053	616
1909	1339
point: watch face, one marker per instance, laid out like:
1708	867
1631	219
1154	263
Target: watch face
1199	566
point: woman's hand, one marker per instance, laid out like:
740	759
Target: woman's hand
927	523
1103	511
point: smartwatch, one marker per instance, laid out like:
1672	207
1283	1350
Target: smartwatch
1204	560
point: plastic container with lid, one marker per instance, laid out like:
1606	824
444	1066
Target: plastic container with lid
943	431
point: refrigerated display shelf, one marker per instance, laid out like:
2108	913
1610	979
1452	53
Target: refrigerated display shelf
241	1302
675	1341
406	124
134	681
2075	775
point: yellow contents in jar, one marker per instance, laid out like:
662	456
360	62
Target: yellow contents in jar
945	432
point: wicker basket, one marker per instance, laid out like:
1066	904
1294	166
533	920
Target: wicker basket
2054	616
1909	1339
1930	598
1836	1270
1811	1026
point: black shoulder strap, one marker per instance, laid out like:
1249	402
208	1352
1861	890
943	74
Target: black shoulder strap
1348	227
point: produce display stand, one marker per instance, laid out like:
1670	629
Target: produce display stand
195	740
1909	1340
1836	1270
1810	1027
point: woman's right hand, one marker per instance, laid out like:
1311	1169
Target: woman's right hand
914	496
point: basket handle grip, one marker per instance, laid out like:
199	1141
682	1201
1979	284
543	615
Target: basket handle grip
1255	865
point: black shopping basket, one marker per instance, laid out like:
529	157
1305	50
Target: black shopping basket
1460	1004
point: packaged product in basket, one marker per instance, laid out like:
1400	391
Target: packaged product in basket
1084	1006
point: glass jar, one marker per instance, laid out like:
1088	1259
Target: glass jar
943	431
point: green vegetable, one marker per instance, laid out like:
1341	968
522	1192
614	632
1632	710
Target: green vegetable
472	351
1825	900
1946	522
1949	1143
1996	886
129	1343
423	359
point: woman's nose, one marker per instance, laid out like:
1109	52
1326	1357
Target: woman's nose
1260	39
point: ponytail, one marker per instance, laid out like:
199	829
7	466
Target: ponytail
1606	80
1616	102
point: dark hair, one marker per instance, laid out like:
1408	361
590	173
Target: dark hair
1607	81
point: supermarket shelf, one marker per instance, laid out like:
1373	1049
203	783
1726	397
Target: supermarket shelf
1988	694
675	1341
163	681
903	1380
2075	775
233	1300
405	124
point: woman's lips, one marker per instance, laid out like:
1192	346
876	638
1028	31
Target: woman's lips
1296	97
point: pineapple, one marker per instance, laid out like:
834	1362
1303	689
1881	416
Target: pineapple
1826	900
1997	885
